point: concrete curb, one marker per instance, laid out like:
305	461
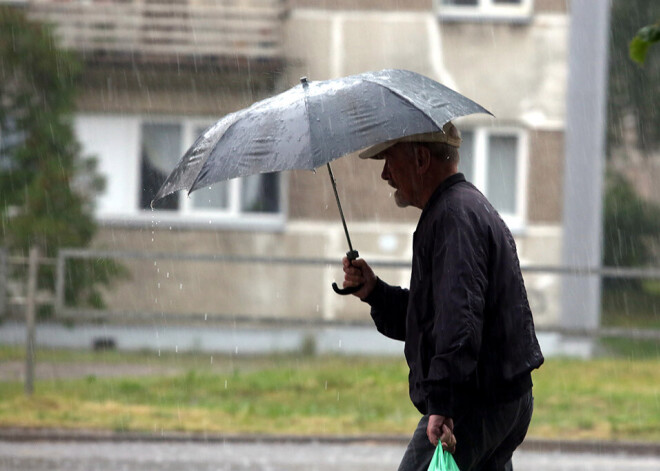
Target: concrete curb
13	434
592	447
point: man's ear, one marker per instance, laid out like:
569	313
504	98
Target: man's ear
422	159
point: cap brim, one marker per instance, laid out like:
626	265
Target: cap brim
374	151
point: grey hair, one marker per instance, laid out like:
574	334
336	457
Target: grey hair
442	151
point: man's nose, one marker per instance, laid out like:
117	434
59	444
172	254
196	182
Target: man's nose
385	174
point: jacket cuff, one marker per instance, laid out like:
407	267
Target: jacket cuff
376	294
439	401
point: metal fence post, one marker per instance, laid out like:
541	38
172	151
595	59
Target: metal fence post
60	274
30	315
4	276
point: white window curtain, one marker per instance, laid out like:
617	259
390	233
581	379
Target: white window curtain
502	173
466	152
161	144
215	197
491	161
161	149
260	193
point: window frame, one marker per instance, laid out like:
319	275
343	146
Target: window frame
485	10
189	135
186	215
517	220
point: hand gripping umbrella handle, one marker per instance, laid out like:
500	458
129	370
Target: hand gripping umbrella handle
351	255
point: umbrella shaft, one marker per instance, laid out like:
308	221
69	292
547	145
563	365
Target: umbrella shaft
341	213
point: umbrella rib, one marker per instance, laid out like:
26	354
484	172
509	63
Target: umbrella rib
197	177
405	98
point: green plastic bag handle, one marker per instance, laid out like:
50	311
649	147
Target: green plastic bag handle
442	461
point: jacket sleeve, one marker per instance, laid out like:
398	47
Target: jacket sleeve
460	281
388	309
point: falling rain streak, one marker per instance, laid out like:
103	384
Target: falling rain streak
110	117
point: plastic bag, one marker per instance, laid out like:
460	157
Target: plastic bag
442	461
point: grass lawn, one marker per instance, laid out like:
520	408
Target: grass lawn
609	398
632	308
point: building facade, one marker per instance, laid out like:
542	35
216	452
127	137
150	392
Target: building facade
159	72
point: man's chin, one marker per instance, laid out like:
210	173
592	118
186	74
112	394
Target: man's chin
400	201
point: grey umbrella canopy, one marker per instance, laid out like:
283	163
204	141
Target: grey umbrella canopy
314	123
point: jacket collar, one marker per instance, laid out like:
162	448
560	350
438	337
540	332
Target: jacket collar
442	187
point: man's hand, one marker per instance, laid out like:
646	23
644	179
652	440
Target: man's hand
358	272
440	430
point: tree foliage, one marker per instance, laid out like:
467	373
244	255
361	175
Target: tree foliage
634	90
631	225
46	186
640	44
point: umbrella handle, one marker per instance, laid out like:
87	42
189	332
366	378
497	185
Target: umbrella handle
345	291
351	255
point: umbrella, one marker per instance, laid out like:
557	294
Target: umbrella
314	123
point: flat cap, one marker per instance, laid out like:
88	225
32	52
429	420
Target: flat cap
449	134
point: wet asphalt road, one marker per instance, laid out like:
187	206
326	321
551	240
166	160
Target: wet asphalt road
185	456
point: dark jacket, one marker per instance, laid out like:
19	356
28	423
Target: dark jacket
466	322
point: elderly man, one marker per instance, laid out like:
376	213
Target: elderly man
469	335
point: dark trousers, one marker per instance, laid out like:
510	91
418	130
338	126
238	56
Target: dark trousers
486	437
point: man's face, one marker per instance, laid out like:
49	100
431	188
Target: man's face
400	173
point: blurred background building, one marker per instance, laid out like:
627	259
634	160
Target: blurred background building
158	72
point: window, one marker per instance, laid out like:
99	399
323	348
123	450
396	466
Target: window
161	146
135	154
506	10
495	161
158	154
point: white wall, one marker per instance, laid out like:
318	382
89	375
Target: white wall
114	141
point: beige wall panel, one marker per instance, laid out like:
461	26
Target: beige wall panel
518	72
281	291
545	183
307	40
551	6
166	91
364	195
540	6
396	41
378	5
255	290
323	45
216	288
